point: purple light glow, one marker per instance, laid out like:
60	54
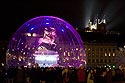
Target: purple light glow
56	38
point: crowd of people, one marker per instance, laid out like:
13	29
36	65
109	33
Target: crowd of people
61	75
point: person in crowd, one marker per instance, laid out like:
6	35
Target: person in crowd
27	75
102	75
124	74
118	77
73	75
90	77
109	75
19	78
95	73
65	75
35	74
81	74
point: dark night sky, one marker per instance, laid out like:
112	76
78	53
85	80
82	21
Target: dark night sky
16	12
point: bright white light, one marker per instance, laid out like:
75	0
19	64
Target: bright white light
93	27
47	23
51	58
40	58
34	35
104	21
28	34
46	57
2	64
113	66
29	64
46	60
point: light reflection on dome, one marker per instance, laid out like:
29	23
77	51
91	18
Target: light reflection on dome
48	41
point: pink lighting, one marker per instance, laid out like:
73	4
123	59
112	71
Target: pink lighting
47	41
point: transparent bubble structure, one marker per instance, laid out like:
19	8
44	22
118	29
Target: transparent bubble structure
48	41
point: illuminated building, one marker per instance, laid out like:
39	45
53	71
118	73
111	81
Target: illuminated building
48	41
100	54
101	48
97	26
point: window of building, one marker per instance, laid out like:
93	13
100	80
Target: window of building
105	54
113	54
93	60
109	54
97	60
97	55
101	49
101	60
89	49
92	49
113	60
97	49
109	60
113	50
93	54
109	49
88	60
105	61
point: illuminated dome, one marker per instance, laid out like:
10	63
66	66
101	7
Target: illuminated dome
47	41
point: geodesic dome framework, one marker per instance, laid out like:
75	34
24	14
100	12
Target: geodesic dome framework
48	41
